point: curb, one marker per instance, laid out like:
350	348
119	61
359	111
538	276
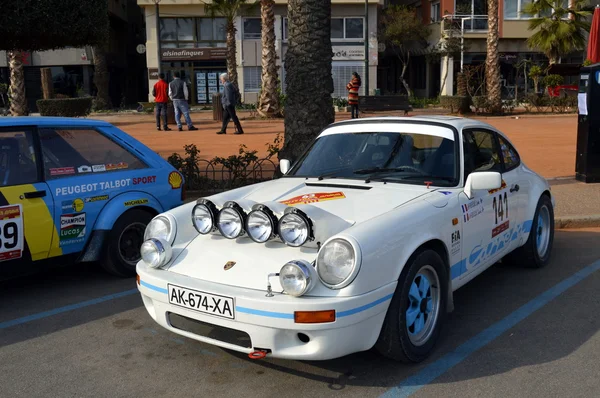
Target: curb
591	221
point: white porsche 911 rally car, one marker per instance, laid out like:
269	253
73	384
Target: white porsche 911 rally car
360	244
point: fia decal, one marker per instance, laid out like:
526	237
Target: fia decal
229	265
455	242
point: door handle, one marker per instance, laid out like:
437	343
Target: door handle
515	188
34	194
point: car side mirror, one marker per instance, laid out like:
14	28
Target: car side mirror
482	181
284	166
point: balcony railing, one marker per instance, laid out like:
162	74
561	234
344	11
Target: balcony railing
464	23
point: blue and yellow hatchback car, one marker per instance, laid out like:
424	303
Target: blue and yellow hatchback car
77	190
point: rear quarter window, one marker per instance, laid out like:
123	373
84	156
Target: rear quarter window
69	152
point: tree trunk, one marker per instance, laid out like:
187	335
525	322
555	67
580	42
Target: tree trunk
445	75
47	85
308	75
403	80
101	80
492	62
16	92
268	105
231	53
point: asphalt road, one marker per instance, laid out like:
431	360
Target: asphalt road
514	333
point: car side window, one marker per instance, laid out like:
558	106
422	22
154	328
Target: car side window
480	152
69	152
18	163
509	155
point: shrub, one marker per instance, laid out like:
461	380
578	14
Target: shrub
417	103
68	107
553	80
455	103
480	104
539	102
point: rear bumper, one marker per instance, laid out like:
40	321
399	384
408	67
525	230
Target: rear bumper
269	321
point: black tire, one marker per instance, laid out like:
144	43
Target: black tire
528	255
119	257
395	339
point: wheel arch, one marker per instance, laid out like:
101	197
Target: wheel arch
438	246
97	242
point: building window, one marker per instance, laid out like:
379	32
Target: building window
476	12
436	15
252	28
252	79
192	32
513	9
285	29
341	72
347	28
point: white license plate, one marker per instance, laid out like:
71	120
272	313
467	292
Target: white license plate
206	303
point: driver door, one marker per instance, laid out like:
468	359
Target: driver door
490	217
26	206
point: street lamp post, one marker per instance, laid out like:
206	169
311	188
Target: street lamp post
366	47
158	51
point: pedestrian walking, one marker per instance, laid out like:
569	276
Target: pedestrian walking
161	99
230	97
353	88
178	92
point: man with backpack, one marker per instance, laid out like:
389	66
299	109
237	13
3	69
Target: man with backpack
159	92
229	99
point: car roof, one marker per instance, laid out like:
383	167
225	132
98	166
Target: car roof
457	122
51	121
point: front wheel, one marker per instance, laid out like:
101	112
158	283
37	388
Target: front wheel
124	242
535	253
417	311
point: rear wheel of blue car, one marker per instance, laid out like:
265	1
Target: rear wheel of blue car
124	241
417	311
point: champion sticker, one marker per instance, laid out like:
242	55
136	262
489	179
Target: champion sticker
72	228
314	198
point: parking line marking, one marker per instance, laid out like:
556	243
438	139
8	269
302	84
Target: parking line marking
71	307
437	368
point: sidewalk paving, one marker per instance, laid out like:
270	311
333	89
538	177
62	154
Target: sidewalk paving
547	144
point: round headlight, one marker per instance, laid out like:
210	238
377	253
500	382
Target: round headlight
230	222
162	227
294	229
260	226
336	263
156	252
203	218
295	278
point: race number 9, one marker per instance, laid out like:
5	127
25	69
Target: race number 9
10	235
500	208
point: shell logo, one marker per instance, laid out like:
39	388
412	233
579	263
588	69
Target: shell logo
175	180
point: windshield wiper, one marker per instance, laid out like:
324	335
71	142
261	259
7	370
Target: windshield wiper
328	175
381	170
426	177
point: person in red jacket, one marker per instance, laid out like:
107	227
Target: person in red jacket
353	88
161	98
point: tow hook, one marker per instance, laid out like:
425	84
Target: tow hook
259	353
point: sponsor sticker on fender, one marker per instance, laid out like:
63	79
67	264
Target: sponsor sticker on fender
91	187
11	227
175	180
96	198
136	202
314	198
72	228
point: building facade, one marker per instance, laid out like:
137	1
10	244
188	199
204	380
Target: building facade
194	44
469	19
73	68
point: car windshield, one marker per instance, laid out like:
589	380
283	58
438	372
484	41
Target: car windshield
389	156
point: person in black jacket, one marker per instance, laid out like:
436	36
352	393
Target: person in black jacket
229	99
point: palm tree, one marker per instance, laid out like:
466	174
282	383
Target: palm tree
560	30
309	84
16	92
268	104
101	79
228	9
492	61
